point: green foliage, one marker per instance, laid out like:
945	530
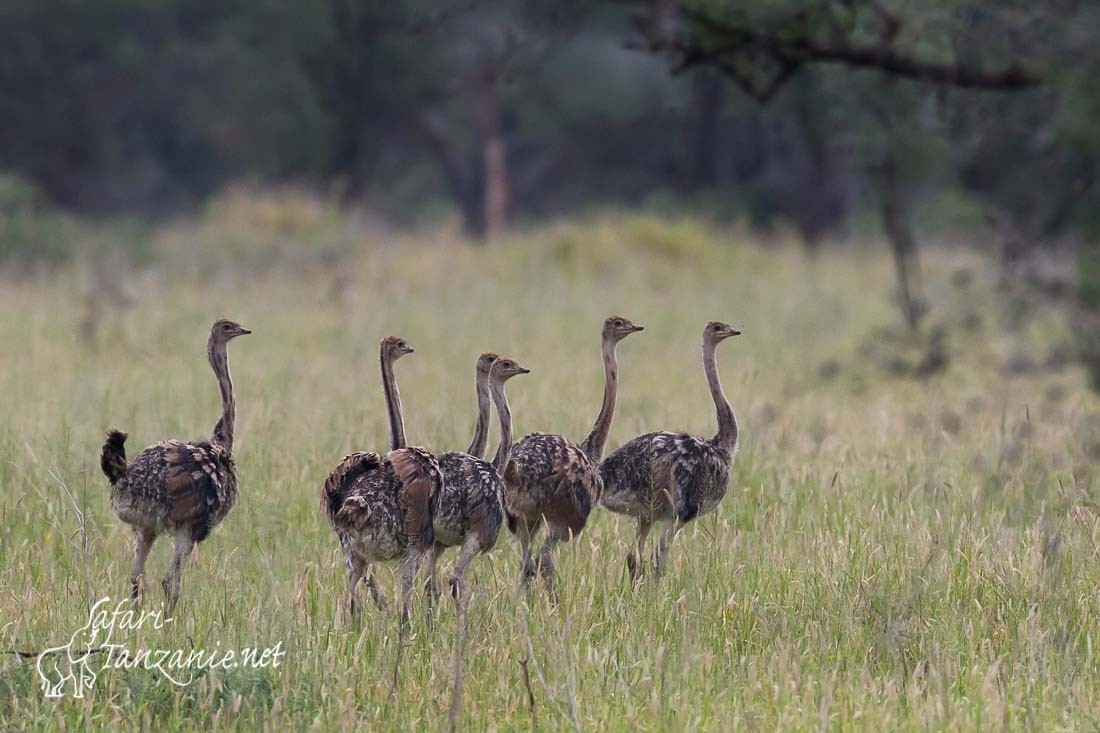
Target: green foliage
1088	273
136	105
604	243
676	241
31	232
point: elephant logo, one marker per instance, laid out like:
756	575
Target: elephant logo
70	665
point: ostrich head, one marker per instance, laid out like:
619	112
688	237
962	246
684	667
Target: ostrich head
616	328
224	330
485	362
717	331
394	347
505	368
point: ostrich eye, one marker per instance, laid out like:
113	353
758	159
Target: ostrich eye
618	323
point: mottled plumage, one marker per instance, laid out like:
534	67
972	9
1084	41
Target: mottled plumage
470	502
673	477
550	478
666	476
381	506
339	481
177	487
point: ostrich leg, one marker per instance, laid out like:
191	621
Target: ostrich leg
143	543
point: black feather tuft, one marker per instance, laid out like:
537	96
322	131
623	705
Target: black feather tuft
112	459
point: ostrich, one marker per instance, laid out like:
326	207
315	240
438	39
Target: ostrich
470	509
177	487
381	506
553	479
673	477
476	450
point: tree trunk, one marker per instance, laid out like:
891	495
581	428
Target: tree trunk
461	177
707	93
494	161
821	205
903	244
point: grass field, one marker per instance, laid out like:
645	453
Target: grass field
892	553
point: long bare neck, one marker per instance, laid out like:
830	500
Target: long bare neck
726	438
393	401
504	450
594	443
481	430
219	362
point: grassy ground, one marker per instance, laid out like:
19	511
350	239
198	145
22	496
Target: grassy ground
892	553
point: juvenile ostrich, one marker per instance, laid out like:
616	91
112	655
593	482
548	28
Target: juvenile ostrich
177	487
470	509
553	479
673	477
381	506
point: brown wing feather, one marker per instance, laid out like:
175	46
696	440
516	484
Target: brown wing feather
354	511
421	482
198	485
340	479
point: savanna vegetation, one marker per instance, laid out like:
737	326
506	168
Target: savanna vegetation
902	546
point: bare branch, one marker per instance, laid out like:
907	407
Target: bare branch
746	53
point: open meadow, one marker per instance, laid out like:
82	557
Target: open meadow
894	552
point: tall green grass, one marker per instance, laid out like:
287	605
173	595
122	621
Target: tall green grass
891	554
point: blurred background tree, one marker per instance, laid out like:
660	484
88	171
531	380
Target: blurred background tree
512	111
812	115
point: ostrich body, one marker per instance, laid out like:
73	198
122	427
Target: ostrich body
470	509
175	487
381	505
550	478
673	477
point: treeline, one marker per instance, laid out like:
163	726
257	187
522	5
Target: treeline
777	111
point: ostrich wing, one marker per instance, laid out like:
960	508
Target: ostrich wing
197	485
420	483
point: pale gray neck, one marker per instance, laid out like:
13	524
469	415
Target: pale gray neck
504	450
593	445
393	401
481	430
219	361
727	421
